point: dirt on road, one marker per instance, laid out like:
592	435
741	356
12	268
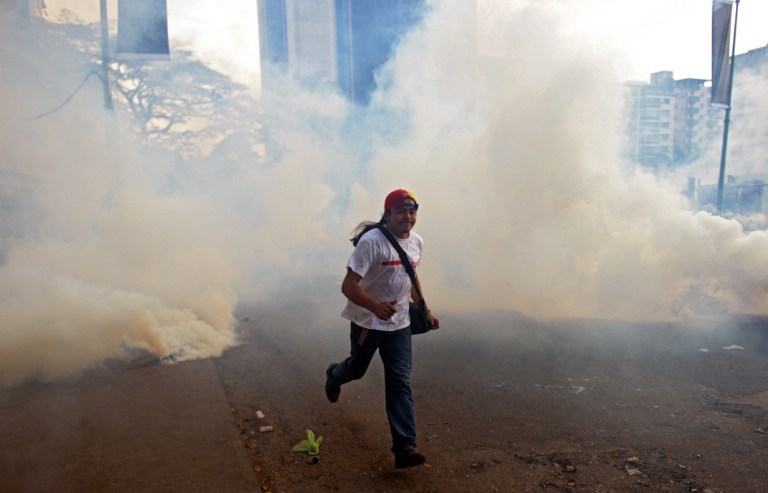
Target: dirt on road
508	404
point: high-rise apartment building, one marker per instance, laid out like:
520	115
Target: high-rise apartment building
337	43
652	120
670	121
698	125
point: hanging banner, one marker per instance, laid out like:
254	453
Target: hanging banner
142	30
721	43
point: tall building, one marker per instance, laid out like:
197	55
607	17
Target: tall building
652	120
338	43
670	121
297	38
698	125
367	34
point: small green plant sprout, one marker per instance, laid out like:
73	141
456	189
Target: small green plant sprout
310	445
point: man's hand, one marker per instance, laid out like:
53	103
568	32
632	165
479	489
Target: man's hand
352	290
384	309
434	321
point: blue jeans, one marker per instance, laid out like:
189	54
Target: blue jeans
396	352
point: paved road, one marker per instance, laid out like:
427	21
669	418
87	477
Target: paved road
140	427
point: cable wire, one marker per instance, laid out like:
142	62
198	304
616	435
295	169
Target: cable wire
63	104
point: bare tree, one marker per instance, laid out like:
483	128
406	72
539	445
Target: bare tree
182	104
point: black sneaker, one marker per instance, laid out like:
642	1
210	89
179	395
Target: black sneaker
409	458
332	388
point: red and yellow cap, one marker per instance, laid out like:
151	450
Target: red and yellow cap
397	198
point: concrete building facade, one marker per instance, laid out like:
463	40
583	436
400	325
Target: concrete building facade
332	43
670	121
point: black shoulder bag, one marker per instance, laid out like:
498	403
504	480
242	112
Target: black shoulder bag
419	315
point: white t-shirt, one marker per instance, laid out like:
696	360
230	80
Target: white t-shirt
383	278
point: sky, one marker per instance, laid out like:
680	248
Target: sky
640	37
653	35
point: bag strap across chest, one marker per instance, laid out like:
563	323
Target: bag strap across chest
403	258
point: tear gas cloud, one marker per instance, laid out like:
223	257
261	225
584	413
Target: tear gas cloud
525	204
536	213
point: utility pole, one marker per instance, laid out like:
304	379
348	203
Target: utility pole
105	56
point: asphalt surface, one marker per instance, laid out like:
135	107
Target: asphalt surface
505	404
138	427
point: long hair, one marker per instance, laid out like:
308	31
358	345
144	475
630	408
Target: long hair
364	227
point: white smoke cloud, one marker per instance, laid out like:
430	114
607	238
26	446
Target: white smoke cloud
526	205
513	155
98	261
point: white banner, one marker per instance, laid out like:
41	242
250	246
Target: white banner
721	43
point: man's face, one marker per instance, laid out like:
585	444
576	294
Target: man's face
400	220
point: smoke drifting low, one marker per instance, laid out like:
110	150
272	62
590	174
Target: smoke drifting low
109	249
106	266
536	213
99	260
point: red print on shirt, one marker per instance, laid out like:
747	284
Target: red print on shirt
397	262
